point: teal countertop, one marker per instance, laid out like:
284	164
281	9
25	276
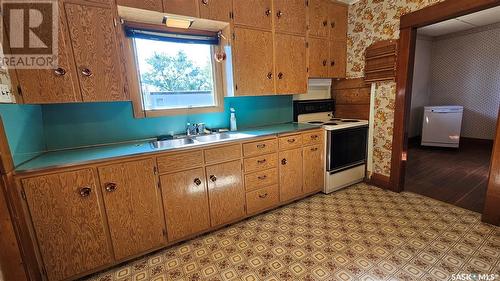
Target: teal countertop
79	156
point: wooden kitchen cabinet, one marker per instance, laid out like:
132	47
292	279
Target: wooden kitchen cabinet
290	163
133	205
69	223
338	21
290	16
152	5
226	192
319	58
182	7
96	54
291	68
253	13
319	19
314	167
338	59
253	62
185	201
219	10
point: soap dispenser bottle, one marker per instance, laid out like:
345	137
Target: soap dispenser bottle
232	121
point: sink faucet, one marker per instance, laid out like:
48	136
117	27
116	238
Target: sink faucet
191	129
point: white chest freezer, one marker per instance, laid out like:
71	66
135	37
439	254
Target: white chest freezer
442	126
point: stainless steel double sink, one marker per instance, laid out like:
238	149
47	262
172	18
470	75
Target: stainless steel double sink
198	140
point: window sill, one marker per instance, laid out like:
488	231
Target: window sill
183	111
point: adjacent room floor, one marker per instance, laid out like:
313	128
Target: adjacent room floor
359	233
457	176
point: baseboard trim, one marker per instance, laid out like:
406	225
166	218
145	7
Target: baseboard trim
380	180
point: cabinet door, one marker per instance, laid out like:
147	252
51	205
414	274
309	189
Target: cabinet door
68	220
58	85
152	5
290	16
318	18
314	168
319	58
226	192
338	59
253	62
181	7
95	48
185	201
291	77
290	174
133	206
219	10
338	21
253	13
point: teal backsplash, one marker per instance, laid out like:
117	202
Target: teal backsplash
73	125
24	128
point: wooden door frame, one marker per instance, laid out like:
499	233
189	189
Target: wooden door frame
404	78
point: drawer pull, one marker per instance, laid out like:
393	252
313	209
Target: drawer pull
59	71
85	192
291	140
314	137
213	178
263	195
87	72
314	149
263	161
261	146
110	187
262	177
197	181
284	161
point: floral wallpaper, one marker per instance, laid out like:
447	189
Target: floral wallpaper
371	21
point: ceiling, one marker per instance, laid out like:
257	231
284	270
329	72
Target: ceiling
482	18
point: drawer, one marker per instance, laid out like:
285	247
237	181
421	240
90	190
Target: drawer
312	138
180	161
224	153
290	142
262	199
260	147
260	162
261	179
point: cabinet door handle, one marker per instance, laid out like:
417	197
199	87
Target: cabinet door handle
325	62
197	181
280	75
314	149
284	161
87	72
263	195
314	137
268	12
213	178
261	146
110	186
204	2
291	140
262	161
279	14
332	63
85	192
270	75
325	23
262	177
333	24
59	71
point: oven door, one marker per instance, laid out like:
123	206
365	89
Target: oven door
346	148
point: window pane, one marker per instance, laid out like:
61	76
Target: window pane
175	75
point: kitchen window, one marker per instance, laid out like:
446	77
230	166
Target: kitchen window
177	73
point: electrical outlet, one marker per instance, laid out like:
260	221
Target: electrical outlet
6	95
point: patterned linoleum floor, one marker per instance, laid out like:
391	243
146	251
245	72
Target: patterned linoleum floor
359	233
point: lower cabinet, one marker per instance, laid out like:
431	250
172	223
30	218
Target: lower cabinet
68	221
290	163
133	205
185	201
226	192
314	167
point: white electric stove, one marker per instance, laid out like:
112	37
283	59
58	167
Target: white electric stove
345	146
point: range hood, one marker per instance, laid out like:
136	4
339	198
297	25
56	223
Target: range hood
317	89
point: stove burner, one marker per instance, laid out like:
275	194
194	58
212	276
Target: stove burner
315	122
331	123
350	121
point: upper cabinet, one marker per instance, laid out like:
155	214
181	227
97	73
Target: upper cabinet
153	5
220	10
181	7
253	13
338	21
290	16
319	18
291	69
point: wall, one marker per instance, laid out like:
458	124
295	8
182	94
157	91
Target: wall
370	21
73	125
421	84
466	71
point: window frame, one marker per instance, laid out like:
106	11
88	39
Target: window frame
134	83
